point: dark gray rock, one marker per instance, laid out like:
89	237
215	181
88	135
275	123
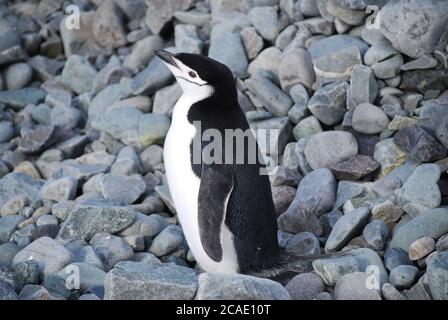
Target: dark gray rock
328	102
78	74
8	225
418	292
389	292
111	249
50	255
327	148
150	281
307	127
315	196
282	197
420	192
347	227
85	254
369	119
252	42
272	97
305	286
36	292
7	292
442	243
20	98
39	138
66	117
303	244
354	168
353	287
167	241
265	21
403	277
424	62
154	77
376	234
437	272
89	218
60	189
434	224
296	68
420	145
442	132
346	191
334	57
186	39
7	252
122	189
159	13
363	86
18	75
26	273
219	286
399	18
395	257
331	270
108	26
127	162
228	49
424	80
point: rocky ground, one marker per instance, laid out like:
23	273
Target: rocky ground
85	211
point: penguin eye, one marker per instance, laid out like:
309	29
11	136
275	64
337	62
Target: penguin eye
192	74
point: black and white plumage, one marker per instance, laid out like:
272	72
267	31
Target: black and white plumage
226	210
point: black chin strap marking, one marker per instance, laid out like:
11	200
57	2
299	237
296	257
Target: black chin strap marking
193	82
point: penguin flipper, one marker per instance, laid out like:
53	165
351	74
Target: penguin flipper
214	193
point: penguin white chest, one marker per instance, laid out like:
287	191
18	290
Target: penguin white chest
184	188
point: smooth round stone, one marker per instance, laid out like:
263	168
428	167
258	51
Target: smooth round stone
228	48
303	243
420	248
282	197
47	220
305	286
403	277
6	131
330	147
346	228
352	286
399	20
18	75
437	273
296	68
376	233
391	293
328	102
369	119
265	20
14	205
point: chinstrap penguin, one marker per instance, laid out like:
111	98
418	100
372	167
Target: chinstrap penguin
226	210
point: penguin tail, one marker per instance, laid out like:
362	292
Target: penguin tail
291	262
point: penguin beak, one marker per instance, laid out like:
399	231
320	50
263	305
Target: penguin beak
167	57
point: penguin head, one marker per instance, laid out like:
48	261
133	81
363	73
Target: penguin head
198	74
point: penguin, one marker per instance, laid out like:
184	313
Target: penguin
226	210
